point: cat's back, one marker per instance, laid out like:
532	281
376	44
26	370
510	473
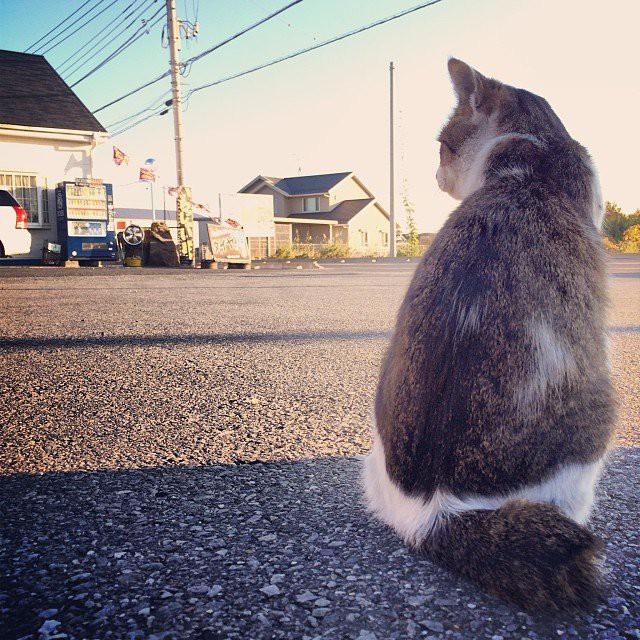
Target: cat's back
500	336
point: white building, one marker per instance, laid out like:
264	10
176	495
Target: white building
47	135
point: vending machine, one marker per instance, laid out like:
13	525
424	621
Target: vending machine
84	212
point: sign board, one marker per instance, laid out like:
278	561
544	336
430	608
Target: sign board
254	211
228	244
89	182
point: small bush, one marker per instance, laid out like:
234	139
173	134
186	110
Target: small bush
610	245
335	251
304	251
630	242
408	250
286	253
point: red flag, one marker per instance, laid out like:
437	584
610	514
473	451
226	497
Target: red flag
233	223
174	191
120	156
146	175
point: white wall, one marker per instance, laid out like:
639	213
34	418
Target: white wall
372	221
46	160
347	190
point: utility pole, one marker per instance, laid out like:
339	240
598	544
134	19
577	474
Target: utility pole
392	176
184	213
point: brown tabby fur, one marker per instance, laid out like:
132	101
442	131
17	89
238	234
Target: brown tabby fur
497	374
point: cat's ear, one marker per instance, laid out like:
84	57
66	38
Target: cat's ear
469	85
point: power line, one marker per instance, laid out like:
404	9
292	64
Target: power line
348	34
153	105
41	49
58	25
135	124
92	42
319	45
132	92
241	33
92	53
204	53
146	28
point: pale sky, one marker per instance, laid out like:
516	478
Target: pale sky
327	111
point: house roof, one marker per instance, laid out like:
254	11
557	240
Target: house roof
33	94
342	213
307	185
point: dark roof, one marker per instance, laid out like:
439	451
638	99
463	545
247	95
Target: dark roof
341	213
32	94
129	213
299	185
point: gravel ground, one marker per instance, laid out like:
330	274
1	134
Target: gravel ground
180	460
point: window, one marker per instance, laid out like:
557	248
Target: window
33	197
364	238
385	237
310	204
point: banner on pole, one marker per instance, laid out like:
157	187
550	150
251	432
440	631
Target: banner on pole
120	156
146	175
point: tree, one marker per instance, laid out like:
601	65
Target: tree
412	228
632	234
615	221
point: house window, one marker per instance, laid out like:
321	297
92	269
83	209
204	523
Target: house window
33	197
310	204
364	238
385	237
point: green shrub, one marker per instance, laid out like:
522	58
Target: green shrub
631	239
408	250
304	251
335	251
286	253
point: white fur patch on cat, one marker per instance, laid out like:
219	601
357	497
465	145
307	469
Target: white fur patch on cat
553	363
571	489
469	318
597	204
474	176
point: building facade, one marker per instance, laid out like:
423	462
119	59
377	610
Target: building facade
47	135
325	209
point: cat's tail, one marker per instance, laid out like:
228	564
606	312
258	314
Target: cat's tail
525	552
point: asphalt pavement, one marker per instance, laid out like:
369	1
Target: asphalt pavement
180	458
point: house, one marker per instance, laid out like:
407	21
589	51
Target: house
47	135
331	208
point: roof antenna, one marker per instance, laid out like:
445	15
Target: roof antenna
296	157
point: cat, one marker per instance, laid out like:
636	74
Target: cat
494	408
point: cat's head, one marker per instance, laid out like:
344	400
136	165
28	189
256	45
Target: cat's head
488	112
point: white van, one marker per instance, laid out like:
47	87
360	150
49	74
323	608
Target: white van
14	237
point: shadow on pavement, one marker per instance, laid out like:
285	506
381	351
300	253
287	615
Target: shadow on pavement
283	549
189	339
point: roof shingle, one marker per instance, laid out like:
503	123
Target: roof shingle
32	94
308	185
341	213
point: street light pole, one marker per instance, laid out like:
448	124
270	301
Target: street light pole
153	206
392	177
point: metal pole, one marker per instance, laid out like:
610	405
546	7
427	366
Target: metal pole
392	177
174	50
153	206
164	201
184	211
